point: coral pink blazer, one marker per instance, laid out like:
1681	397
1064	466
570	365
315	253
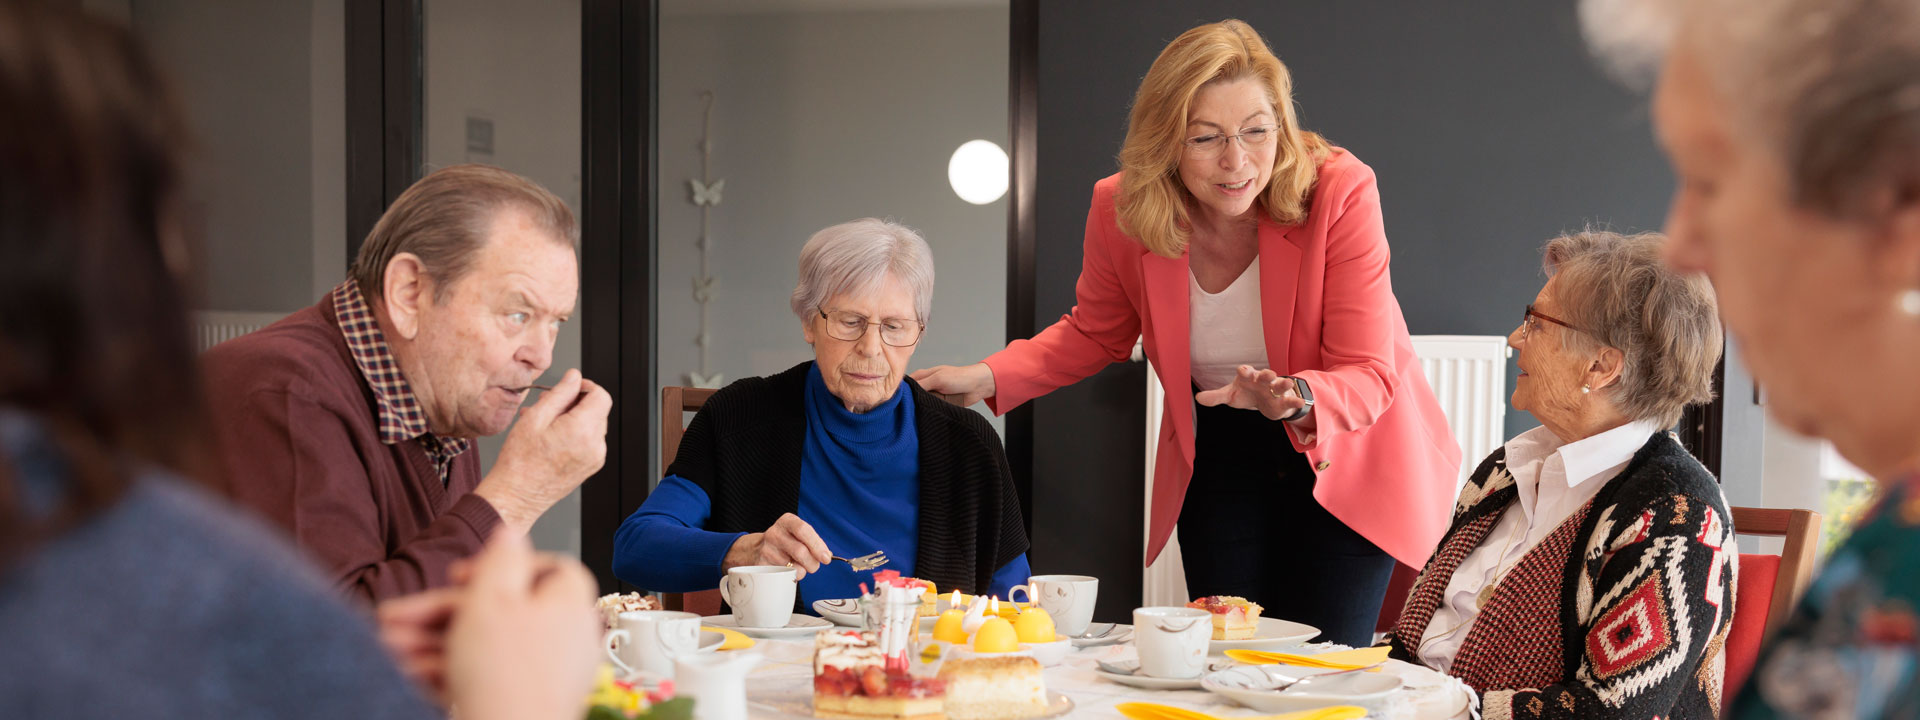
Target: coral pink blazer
1385	459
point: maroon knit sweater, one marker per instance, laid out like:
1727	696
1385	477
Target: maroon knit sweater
301	445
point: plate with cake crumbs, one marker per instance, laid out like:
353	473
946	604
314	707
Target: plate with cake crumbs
1271	634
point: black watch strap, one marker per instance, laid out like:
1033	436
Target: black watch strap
1300	388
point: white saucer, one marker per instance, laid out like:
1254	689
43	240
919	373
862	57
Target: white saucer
1098	634
1271	634
846	613
797	626
1112	671
710	640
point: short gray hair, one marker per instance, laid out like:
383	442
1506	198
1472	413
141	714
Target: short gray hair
858	256
1831	87
1665	324
447	217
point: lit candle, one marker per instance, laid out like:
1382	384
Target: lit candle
951	627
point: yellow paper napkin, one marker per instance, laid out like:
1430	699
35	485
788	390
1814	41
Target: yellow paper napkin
1337	660
735	640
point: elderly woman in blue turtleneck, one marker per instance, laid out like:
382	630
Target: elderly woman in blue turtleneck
842	455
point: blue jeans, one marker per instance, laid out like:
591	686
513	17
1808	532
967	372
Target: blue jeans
1250	527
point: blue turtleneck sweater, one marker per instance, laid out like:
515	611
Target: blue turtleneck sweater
859	489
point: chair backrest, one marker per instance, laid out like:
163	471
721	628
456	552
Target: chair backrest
1801	528
1769	585
675	403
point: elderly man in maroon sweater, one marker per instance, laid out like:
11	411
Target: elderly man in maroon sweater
350	423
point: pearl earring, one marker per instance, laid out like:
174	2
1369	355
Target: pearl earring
1910	302
1584	389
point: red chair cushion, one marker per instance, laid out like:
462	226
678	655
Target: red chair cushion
1753	600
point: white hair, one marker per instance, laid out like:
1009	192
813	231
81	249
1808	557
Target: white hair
858	256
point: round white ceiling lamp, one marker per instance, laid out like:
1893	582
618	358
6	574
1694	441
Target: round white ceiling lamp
978	172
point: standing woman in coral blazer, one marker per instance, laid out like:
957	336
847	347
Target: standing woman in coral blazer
1250	255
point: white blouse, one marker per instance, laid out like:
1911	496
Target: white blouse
1553	480
1224	328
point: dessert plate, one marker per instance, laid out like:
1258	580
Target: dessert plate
1057	705
797	626
1255	686
1271	634
846	613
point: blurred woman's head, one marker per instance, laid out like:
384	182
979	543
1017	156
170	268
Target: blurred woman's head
1794	130
93	338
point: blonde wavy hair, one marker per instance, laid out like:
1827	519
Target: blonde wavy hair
1153	203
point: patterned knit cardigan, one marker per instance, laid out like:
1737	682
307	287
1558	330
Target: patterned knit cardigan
1622	612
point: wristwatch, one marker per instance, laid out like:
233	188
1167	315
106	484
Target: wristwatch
1306	393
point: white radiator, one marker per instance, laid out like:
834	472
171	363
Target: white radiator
212	327
1468	374
1469	378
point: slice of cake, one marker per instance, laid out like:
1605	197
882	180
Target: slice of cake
994	688
612	605
1234	618
850	680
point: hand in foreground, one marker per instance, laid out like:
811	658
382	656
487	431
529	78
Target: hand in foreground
557	442
960	385
414	630
1263	390
522	643
791	541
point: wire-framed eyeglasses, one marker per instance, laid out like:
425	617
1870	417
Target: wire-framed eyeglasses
850	326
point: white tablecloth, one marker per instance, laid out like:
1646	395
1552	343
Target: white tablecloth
782	687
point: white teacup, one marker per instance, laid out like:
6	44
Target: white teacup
648	641
761	595
1172	641
1068	598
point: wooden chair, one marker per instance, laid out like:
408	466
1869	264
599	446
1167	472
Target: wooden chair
1769	585
675	403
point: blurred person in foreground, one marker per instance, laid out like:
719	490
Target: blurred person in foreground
125	589
1793	127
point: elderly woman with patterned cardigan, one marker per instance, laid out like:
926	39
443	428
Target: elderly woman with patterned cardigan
1589	569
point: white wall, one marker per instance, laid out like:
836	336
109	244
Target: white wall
517	64
823	117
246	73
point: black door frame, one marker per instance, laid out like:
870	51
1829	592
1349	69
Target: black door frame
1023	112
618	245
383	107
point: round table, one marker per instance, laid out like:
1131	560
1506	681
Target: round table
782	687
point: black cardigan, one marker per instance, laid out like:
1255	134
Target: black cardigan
744	446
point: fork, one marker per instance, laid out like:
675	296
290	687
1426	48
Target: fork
864	562
1362	668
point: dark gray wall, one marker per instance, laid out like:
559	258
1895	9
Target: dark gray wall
1491	131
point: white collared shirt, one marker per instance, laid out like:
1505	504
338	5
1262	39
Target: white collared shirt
1554	480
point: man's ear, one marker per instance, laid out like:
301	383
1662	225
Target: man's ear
407	289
